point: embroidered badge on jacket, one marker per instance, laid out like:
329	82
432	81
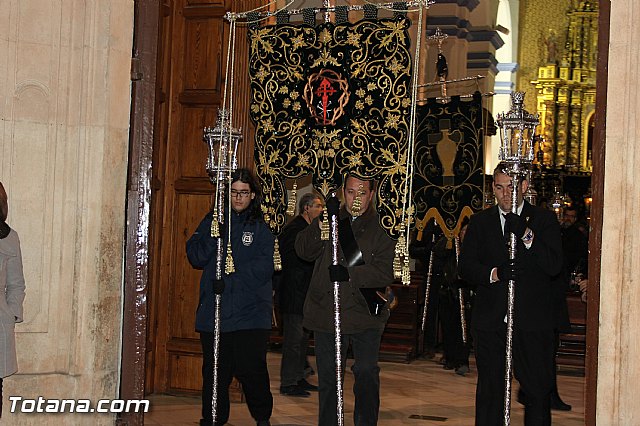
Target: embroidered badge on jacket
247	238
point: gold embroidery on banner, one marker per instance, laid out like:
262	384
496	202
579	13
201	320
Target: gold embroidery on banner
360	127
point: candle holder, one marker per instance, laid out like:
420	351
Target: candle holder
517	136
222	142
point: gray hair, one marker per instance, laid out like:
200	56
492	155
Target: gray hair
307	200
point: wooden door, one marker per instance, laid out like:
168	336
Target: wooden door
191	74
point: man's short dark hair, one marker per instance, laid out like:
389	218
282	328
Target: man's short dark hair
502	168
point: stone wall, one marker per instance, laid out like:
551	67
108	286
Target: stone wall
63	153
619	345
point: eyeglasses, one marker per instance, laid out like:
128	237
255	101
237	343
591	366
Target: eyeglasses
239	194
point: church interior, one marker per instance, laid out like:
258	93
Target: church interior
104	163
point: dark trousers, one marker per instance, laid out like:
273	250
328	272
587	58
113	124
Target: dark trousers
294	350
556	346
456	352
242	354
532	365
366	372
431	323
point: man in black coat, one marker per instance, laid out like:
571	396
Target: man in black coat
484	262
296	276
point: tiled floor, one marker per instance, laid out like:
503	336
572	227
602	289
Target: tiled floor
420	393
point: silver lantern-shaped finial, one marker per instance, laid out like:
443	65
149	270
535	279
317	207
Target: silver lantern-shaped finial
517	134
222	142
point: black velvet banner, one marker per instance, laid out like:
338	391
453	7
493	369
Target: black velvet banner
331	100
449	157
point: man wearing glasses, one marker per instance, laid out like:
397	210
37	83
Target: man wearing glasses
246	303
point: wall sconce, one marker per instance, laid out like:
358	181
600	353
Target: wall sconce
587	203
531	195
557	202
566	200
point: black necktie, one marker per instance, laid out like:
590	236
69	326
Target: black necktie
505	229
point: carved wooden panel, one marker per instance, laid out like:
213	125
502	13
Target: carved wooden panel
190	150
190	208
185	373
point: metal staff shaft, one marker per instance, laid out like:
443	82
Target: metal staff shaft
336	318
427	287
510	311
326	4
463	316
216	333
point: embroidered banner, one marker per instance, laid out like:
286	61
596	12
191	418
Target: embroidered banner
448	179
331	100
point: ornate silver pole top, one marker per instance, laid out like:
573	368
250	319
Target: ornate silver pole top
517	134
222	142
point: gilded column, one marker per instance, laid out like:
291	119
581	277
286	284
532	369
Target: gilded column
575	132
549	148
562	130
588	108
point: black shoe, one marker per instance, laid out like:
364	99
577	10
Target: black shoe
462	370
304	385
204	422
294	390
558	404
263	423
308	371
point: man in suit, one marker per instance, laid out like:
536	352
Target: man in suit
296	276
484	263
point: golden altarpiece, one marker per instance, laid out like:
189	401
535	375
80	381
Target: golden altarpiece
566	91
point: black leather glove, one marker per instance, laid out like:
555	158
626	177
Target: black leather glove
510	270
338	273
515	224
333	206
218	286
